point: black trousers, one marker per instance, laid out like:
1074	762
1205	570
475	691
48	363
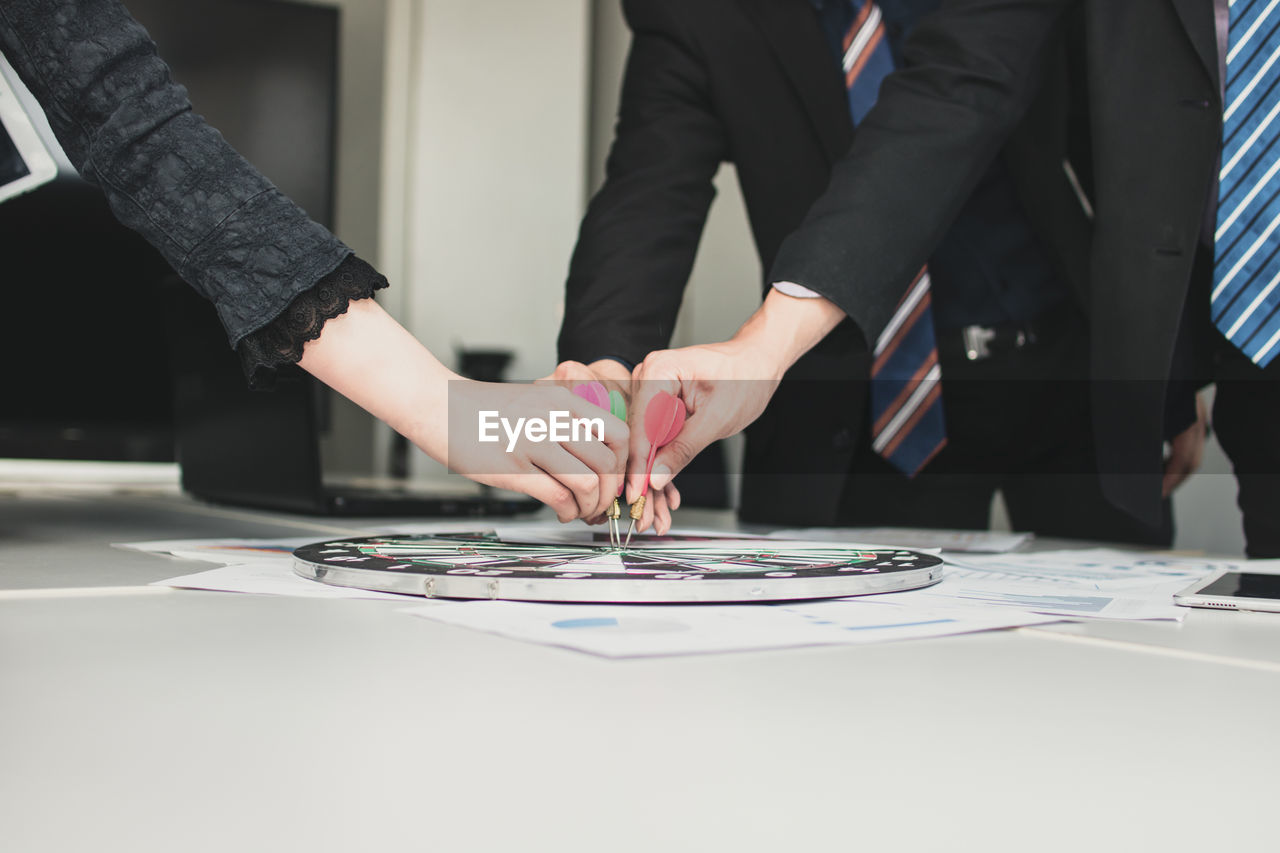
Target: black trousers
1018	421
1246	417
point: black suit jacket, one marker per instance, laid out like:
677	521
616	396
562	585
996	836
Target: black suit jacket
1154	123
752	82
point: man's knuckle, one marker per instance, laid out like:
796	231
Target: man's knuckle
656	361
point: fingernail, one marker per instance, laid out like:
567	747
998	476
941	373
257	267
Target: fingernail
660	477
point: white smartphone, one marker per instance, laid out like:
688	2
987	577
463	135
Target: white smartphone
25	162
1228	589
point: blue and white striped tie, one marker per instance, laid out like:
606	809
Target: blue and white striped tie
1246	292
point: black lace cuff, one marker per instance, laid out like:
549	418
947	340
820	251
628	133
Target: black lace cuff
280	342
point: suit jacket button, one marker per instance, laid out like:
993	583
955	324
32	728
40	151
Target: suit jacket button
843	439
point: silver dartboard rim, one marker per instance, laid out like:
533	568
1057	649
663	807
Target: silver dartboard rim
357	563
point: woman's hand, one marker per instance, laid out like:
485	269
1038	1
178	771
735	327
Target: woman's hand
505	436
368	357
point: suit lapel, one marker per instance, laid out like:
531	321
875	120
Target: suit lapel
792	30
1198	20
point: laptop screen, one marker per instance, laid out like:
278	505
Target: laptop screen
12	166
25	161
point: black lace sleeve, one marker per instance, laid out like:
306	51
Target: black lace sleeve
279	343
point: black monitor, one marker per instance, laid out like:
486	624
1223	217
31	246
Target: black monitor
86	348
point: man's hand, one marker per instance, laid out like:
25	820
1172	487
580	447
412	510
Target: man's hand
1186	450
722	393
614	376
724	386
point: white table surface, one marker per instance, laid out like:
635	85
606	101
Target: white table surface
138	719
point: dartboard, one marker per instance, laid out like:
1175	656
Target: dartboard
667	569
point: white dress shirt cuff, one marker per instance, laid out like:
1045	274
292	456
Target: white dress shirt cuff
790	288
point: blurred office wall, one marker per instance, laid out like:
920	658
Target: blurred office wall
494	123
483	152
497	106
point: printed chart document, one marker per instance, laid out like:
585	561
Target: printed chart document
625	631
1096	583
1101	568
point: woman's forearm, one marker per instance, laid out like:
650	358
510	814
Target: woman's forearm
365	355
371	359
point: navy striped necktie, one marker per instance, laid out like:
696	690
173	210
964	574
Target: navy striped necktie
1246	292
907	424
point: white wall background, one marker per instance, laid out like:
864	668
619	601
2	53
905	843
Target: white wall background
483	151
498	122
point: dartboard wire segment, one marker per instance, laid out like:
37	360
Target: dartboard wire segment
479	564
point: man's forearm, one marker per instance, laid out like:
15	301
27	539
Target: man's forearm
972	68
785	327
